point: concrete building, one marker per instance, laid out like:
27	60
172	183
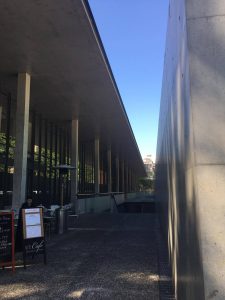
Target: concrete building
149	166
59	104
191	148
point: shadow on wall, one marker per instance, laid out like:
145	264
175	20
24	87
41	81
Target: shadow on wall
175	181
177	156
181	229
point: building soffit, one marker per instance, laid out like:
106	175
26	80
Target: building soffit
57	42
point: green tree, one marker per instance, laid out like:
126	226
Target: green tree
146	184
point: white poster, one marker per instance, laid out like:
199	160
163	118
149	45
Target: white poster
33	231
33	219
33	223
32	210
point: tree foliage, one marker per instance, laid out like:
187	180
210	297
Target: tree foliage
146	184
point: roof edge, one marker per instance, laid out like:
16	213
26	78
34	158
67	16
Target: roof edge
105	58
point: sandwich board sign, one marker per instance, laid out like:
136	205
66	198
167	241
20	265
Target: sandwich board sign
7	244
33	233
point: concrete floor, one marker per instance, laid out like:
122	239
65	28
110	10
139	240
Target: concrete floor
103	257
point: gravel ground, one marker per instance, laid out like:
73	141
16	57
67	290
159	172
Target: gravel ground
103	257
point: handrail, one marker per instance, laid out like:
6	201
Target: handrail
98	194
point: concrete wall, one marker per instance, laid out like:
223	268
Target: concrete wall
94	205
99	204
138	197
206	34
106	203
191	148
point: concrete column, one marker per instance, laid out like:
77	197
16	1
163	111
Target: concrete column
22	122
97	166
117	175
136	183
131	181
122	176
126	180
74	162
0	118
109	169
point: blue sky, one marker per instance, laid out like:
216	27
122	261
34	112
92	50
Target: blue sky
133	33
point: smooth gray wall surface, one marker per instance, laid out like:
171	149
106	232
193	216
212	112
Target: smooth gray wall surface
177	177
190	166
206	42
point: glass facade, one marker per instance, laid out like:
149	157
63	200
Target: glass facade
49	147
49	144
86	168
7	148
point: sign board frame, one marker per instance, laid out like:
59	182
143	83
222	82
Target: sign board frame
11	263
33	233
29	214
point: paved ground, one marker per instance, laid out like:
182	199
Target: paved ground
104	257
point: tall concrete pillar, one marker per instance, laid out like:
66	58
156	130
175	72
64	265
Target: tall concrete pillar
0	118
22	122
74	162
97	166
122	176
137	183
130	180
126	179
131	187
117	175
133	182
109	169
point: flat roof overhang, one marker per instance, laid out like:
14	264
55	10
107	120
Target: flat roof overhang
58	44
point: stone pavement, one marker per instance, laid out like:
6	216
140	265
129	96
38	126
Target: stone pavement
104	256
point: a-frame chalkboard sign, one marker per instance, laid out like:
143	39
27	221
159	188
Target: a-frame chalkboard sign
33	234
7	244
